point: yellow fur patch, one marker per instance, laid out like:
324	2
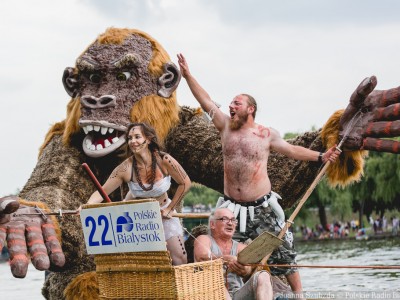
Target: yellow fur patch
84	286
161	113
44	207
349	166
198	111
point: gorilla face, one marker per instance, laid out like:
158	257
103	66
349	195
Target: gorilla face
111	78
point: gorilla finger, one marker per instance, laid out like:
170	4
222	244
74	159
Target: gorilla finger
363	90
388	97
36	247
383	129
18	251
57	257
19	265
392	112
9	204
3	234
53	245
381	145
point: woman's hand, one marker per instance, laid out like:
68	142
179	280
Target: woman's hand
166	213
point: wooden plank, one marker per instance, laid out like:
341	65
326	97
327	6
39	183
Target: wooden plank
260	247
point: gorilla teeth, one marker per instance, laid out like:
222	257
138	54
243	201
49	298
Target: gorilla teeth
100	137
97	128
104	130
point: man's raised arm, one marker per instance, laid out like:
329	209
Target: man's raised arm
219	119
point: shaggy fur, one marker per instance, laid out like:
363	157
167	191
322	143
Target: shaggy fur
67	127
152	109
84	286
349	167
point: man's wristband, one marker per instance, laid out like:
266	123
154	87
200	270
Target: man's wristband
320	157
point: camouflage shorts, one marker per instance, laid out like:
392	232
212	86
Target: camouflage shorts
266	220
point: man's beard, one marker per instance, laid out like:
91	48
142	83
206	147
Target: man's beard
236	125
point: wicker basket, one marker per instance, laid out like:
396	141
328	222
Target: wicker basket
150	275
202	280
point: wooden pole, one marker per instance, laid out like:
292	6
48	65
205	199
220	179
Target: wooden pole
191	215
96	183
289	222
324	266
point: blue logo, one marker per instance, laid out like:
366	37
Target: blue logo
124	222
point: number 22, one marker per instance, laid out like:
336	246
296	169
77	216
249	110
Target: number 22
90	220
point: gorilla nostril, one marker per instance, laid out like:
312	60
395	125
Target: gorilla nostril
95	103
105	100
91	101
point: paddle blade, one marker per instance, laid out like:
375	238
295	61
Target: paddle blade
259	248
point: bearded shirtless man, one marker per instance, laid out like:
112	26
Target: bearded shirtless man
246	147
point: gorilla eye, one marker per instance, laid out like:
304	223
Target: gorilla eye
95	78
123	76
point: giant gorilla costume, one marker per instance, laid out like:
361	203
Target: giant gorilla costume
126	76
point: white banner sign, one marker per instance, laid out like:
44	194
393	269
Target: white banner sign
135	227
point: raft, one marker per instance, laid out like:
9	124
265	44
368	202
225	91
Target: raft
143	274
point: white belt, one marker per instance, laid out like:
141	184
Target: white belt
237	208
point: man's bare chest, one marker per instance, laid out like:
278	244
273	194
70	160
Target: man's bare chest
247	146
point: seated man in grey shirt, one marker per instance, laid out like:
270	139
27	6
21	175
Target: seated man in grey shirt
219	244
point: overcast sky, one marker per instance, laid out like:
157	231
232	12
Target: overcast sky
301	60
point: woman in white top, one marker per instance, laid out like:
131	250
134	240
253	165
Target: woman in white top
148	174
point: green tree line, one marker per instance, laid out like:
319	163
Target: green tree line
199	194
378	191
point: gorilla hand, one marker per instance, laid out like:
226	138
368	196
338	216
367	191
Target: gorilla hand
380	118
28	233
8	205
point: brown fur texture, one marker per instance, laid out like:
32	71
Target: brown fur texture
84	286
118	36
349	166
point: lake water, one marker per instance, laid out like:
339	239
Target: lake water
351	283
318	283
